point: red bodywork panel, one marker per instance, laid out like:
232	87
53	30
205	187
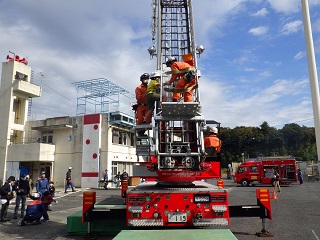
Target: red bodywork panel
263	198
199	205
88	201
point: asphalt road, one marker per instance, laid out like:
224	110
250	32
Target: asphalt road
295	214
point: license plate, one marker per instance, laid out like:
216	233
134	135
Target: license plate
177	217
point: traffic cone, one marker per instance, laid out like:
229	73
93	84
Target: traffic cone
220	183
274	195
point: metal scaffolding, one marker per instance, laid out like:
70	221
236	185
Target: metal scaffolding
103	96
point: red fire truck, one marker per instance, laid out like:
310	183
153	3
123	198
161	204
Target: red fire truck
180	160
261	170
172	150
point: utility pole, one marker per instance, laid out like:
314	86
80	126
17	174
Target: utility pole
312	71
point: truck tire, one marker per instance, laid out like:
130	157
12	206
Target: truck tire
245	182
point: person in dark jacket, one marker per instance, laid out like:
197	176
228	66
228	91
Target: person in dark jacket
52	191
105	179
47	200
22	189
6	195
68	181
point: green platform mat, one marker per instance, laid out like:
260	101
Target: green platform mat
101	227
185	234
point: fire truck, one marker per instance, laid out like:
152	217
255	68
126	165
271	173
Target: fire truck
172	157
261	170
179	196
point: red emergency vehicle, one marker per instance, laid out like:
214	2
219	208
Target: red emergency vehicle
261	170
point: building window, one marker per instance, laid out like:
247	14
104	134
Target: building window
47	137
122	137
115	136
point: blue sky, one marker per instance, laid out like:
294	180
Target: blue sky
254	67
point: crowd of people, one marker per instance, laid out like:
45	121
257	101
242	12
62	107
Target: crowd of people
22	190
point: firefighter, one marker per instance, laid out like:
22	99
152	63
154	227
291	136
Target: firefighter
212	140
141	98
187	79
153	95
124	183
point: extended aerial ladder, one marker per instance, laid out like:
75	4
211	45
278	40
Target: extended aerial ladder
178	126
174	145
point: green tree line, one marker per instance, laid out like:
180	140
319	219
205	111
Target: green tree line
265	141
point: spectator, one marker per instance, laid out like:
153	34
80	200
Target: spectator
31	186
42	184
229	172
6	192
68	181
22	189
276	182
47	200
35	210
105	179
52	191
300	176
118	179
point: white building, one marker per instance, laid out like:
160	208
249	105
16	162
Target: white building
88	143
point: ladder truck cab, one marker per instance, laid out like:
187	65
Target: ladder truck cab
262	170
173	146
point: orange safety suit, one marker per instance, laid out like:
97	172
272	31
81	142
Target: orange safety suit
142	102
213	141
182	82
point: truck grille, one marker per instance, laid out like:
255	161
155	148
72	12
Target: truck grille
218	198
136	199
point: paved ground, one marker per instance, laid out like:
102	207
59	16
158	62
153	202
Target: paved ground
295	214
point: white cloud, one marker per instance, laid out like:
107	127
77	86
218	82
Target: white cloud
68	44
291	27
260	13
258	31
299	55
265	74
316	26
285	6
249	69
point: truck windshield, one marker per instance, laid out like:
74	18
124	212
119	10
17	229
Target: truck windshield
242	169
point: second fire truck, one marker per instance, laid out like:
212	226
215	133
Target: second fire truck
262	170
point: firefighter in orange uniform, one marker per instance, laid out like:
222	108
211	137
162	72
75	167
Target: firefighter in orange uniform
142	100
212	140
181	69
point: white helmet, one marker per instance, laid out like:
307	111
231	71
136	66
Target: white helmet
214	130
70	168
36	195
154	75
